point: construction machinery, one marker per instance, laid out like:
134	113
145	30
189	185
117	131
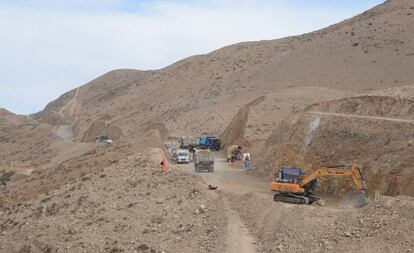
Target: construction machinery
189	142
203	160
293	186
234	153
210	142
182	156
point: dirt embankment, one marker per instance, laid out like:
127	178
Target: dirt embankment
386	226
127	207
382	146
234	132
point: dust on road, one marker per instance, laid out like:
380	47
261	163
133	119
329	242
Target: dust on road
65	132
229	178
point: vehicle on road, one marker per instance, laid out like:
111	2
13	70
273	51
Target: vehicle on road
234	152
103	139
182	156
203	160
210	142
190	143
293	186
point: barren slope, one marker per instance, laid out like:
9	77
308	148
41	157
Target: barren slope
23	140
370	51
127	207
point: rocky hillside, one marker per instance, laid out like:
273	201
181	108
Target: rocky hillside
258	87
127	207
24	140
381	227
202	93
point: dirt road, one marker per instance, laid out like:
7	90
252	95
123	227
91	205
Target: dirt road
362	117
65	131
71	105
233	181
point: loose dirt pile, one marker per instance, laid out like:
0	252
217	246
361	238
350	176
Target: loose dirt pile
386	226
127	207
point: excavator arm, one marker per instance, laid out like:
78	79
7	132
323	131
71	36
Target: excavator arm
352	171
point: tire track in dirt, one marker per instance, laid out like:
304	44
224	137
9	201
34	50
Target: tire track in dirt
239	239
73	100
65	131
232	181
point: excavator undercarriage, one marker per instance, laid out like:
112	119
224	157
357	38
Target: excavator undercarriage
295	198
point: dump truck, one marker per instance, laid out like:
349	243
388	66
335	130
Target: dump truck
190	143
234	153
291	185
210	142
203	160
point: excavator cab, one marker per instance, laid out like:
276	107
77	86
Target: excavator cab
289	175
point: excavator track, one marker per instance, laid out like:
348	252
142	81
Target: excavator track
294	199
290	198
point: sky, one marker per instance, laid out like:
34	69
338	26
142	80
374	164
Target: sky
48	47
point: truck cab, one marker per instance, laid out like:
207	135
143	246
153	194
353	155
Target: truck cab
183	155
210	142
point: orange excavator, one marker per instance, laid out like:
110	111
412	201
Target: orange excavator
293	186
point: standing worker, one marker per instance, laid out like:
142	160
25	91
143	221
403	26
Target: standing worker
246	160
163	165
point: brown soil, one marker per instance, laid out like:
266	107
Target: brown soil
338	95
129	206
386	226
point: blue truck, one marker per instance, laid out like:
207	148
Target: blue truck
210	142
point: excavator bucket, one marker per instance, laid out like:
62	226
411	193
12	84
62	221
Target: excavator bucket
362	199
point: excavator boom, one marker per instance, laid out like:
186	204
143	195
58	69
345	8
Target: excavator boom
354	172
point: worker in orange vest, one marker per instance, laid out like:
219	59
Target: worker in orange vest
163	165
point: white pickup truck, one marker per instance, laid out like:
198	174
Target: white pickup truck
183	156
